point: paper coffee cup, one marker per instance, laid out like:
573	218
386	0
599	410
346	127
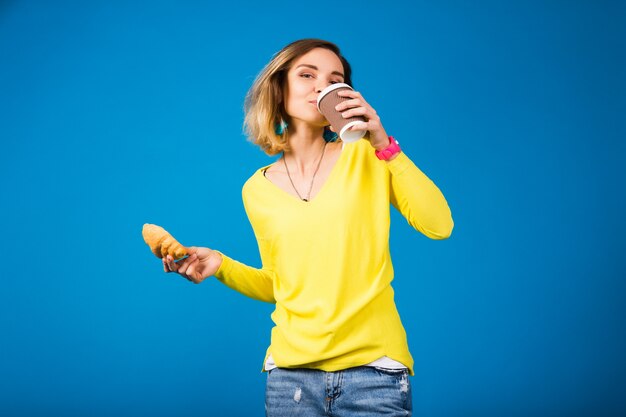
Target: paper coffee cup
326	102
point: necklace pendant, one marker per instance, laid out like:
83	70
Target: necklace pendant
305	200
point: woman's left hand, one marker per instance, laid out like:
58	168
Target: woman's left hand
357	106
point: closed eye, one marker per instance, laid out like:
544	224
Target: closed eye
308	76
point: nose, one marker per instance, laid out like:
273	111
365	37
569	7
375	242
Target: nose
320	85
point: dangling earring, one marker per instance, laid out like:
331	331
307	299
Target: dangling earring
329	135
279	128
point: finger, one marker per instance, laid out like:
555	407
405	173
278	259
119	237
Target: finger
347	104
173	266
192	272
348	93
165	267
196	276
357	111
182	269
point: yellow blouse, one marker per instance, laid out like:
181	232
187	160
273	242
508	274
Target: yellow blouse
326	262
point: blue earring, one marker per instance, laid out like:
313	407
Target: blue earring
279	128
329	135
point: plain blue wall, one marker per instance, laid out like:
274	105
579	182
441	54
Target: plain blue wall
113	114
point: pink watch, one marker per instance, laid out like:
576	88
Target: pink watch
389	151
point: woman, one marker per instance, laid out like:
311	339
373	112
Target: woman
321	217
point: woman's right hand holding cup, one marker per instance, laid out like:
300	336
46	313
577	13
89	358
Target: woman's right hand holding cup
199	265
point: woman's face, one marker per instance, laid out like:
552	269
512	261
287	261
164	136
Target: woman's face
310	74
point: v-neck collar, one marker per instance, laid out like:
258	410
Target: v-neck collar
324	186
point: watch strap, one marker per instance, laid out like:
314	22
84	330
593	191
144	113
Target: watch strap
391	150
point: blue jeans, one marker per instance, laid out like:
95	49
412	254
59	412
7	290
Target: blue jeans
363	391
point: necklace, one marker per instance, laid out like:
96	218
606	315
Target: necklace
308	196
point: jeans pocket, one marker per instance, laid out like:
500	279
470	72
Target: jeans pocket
398	388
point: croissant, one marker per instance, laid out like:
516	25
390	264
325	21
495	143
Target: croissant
161	242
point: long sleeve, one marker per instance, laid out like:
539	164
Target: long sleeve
418	199
252	282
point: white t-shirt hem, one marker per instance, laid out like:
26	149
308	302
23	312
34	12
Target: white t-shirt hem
384	362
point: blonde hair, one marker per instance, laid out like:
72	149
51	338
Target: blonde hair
264	105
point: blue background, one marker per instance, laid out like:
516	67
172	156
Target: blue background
114	114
